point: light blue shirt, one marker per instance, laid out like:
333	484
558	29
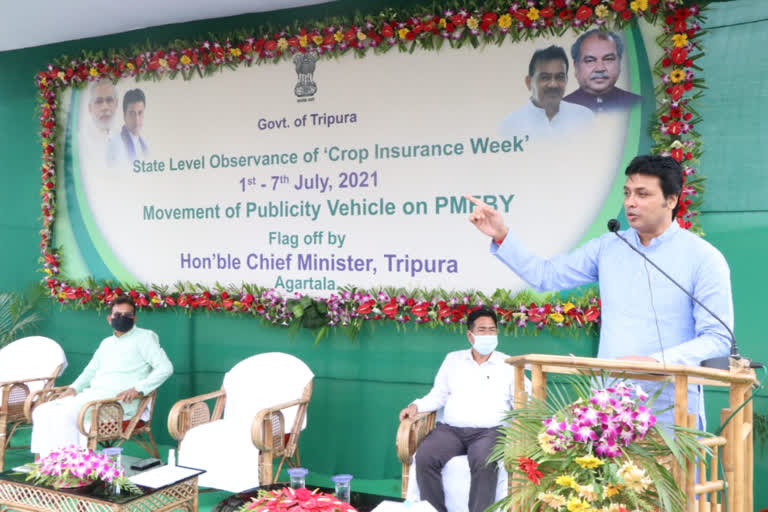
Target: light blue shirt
635	296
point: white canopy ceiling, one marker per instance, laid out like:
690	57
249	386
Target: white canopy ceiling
38	22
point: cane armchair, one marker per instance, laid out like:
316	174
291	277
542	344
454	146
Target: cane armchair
255	420
102	423
27	365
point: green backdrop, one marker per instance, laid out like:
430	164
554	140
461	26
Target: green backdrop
362	384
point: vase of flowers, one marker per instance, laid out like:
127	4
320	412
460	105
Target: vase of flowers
78	469
600	452
296	500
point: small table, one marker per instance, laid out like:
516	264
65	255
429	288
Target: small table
18	495
362	501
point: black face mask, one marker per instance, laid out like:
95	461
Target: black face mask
121	323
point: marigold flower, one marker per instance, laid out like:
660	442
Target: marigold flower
338	36
130	66
576	505
533	14
505	21
677	75
601	11
361	36
589	462
303	41
565	480
442	23
473	23
163	63
611	490
557	317
93	72
236	52
185	60
403	33
317	39
680	40
282	44
638	5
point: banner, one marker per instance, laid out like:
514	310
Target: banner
310	175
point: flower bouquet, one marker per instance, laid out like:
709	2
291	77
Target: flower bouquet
602	452
72	468
296	500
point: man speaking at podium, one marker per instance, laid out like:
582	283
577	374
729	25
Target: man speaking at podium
645	317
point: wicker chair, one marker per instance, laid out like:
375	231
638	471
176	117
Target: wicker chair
237	443
410	434
103	422
27	365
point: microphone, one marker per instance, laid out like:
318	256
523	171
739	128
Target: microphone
721	363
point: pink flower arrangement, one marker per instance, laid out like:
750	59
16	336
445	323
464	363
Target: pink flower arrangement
610	419
73	467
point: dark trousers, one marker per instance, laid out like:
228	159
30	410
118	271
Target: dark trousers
446	442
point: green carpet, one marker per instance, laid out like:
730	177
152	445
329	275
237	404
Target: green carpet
17	457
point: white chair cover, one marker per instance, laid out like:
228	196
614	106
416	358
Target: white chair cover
31	357
455	484
224	448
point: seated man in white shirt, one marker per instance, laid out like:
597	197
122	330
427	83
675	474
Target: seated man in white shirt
475	387
127	363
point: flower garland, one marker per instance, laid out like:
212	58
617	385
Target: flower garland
674	135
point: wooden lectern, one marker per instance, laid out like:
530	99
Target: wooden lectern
735	445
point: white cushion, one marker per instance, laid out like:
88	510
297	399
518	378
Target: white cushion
31	357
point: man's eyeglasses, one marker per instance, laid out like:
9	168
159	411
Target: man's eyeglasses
485	330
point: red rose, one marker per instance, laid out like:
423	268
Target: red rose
627	15
172	61
680	26
154	64
560	4
449	27
429	27
547	12
293	41
678	55
410	302
490	18
458	20
160	54
566	14
521	15
387	31
270	45
583	12
619	5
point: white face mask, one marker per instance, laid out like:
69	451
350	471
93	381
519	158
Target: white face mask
485	344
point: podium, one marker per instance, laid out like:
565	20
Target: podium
734	445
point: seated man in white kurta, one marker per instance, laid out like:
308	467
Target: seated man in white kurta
126	364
